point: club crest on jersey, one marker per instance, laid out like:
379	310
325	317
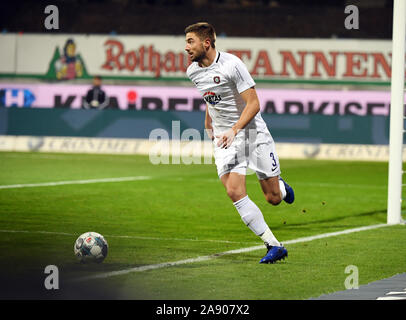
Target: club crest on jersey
211	97
216	79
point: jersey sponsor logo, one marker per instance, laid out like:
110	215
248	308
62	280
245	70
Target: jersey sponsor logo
216	79
211	97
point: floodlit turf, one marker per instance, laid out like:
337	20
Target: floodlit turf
182	212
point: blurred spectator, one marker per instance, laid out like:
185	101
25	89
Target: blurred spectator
96	98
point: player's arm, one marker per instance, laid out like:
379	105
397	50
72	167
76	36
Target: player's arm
207	124
251	109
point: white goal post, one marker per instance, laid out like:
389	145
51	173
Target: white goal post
396	113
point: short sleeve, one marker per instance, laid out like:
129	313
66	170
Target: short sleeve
240	76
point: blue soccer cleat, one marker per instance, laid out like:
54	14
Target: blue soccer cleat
290	195
274	254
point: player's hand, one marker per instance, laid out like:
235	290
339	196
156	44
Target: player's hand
209	133
226	139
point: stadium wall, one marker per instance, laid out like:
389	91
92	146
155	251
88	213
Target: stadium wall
180	98
187	152
314	128
58	57
45	113
314	136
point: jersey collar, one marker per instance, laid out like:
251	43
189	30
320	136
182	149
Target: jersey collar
216	59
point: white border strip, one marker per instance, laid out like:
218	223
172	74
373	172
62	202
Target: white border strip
216	255
188	151
59	183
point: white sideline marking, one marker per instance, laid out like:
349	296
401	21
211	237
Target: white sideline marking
178	239
308	184
215	180
341	185
394	295
396	292
216	255
59	183
125	237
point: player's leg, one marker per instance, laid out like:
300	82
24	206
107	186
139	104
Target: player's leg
272	190
290	194
250	214
234	183
231	171
265	161
273	194
275	190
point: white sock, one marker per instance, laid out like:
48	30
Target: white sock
251	215
283	189
269	239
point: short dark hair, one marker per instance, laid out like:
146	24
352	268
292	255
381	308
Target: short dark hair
203	30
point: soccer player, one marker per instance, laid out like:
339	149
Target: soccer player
241	137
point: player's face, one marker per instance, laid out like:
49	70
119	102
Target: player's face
194	47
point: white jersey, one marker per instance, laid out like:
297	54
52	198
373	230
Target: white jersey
220	85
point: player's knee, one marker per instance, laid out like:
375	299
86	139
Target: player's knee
235	194
273	198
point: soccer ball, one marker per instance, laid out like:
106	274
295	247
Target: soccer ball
91	247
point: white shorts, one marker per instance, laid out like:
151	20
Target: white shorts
259	155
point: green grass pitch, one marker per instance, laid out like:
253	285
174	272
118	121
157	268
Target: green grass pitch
182	212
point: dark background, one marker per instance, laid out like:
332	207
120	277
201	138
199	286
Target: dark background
242	18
